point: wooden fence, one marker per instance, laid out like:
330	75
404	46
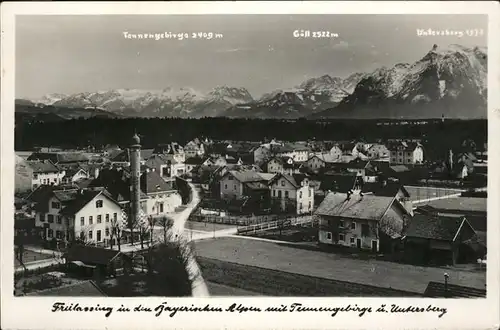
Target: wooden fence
282	223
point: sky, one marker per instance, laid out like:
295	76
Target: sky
87	53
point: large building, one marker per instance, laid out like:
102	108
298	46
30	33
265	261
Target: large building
293	193
406	153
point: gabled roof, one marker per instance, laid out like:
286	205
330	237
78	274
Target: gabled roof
325	157
43	166
338	182
403	146
91	254
294	179
79	289
244	176
152	182
389	189
361	207
82	198
458	204
436	227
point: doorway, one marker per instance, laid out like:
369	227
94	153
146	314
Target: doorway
374	246
358	243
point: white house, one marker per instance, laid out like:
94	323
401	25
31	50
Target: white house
45	173
69	214
162	198
194	148
292	192
320	160
75	175
406	153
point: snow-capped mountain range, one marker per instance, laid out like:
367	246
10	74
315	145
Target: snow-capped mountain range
450	81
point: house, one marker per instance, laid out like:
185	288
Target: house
292	193
69	214
194	148
406	153
367	222
236	184
167	167
162	197
378	151
74	175
282	165
23	181
357	166
390	189
172	151
194	162
320	160
335	152
45	172
437	239
298	152
95	261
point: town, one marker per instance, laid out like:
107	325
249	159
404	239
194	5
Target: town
381	217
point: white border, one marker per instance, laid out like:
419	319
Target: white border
34	313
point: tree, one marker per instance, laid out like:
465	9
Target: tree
166	224
116	228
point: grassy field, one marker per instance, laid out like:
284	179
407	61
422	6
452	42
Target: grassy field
206	226
419	193
278	256
267	282
30	256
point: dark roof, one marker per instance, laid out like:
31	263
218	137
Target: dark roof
80	289
152	182
436	227
117	184
124	155
390	189
91	255
43	166
247	176
360	207
437	290
294	179
82	198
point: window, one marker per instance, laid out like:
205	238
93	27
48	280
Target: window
42	217
341	237
309	205
161	207
98	235
82	221
35	176
59	219
282	183
99	218
107	217
286	193
351	240
66	222
115	216
107	232
58	234
274	193
90	234
394	160
225	186
56	205
234	187
98	203
341	224
329	236
300	194
310	192
353	225
279	193
300	206
50	233
91	221
50	218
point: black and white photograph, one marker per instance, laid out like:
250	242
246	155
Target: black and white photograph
250	155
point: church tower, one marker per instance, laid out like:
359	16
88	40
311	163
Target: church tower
135	169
